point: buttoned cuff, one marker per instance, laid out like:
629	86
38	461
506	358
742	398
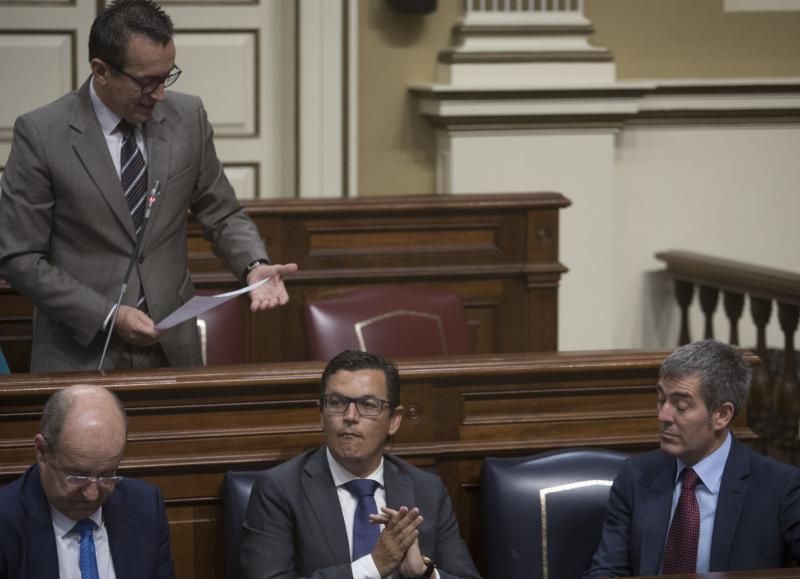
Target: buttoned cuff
364	568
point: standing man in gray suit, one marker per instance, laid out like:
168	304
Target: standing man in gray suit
75	192
348	510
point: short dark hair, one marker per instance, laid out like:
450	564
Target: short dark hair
111	30
354	360
56	410
724	375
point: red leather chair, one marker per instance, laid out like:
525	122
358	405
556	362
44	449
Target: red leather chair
392	320
222	332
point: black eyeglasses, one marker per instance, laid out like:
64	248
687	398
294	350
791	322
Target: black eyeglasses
150	86
366	405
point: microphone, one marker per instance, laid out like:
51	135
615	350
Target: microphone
151	200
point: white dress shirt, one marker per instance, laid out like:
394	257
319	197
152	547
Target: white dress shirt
109	121
363	568
68	546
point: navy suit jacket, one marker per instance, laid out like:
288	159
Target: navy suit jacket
756	526
294	525
134	515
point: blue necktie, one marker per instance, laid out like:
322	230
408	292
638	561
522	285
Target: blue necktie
87	560
365	534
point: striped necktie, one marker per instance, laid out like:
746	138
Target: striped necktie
133	175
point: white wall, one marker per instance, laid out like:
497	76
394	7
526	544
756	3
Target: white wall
728	191
577	163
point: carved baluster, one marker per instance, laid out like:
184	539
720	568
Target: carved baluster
759	406
787	405
684	292
734	304
709	296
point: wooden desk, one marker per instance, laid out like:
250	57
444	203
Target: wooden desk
793	573
500	252
188	427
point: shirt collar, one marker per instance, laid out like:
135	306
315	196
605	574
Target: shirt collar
343	476
107	118
710	469
63	524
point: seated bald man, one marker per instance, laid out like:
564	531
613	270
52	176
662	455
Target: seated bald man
348	510
70	516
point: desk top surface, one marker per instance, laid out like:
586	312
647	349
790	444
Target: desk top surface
793	573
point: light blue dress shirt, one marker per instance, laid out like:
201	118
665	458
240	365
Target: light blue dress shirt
709	470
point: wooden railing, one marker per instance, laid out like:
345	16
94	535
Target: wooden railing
774	405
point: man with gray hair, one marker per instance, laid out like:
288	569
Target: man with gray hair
71	515
704	501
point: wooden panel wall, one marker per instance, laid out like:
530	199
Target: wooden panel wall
188	427
500	252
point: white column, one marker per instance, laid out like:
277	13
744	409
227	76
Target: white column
532	43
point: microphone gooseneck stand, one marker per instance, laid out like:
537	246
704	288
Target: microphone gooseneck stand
151	200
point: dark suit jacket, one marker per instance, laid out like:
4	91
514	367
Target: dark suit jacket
134	515
66	235
294	525
757	522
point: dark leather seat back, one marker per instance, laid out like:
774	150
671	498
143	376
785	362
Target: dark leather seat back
543	515
221	331
236	494
393	320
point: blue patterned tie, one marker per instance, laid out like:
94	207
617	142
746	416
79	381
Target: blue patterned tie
365	534
87	560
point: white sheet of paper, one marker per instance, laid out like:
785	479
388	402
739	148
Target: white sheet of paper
200	304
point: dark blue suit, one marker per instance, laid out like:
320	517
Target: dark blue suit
756	526
134	516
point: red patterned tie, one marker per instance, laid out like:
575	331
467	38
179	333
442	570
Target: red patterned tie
680	554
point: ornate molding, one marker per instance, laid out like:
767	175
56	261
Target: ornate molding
646	102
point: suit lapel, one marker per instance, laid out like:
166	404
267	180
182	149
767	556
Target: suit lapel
322	496
655	516
158	157
38	529
122	538
732	494
399	487
90	146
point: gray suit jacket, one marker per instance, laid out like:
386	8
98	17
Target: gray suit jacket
294	525
66	235
756	526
